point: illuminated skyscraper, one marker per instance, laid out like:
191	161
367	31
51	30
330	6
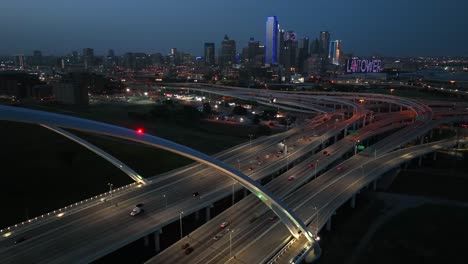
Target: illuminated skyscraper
272	41
209	53
324	43
335	52
19	61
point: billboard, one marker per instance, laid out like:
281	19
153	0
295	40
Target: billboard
363	66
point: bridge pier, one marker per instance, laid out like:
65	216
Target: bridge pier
146	240
420	161
335	139
208	212
157	242
374	185
197	215
435	156
329	224
353	201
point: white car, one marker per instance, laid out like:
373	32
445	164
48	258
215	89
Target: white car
224	224
137	210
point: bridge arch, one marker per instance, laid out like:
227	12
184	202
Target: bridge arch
290	220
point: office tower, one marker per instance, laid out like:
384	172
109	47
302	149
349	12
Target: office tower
209	53
302	54
19	61
289	50
37	58
228	51
315	46
324	43
110	53
335	52
272	44
252	50
88	58
174	57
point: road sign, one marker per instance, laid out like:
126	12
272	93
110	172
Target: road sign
360	147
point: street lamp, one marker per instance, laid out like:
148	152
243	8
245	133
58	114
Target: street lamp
317	238
180	219
110	189
316	165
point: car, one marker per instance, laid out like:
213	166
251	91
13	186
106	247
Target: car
325	152
310	165
328	154
339	168
273	217
257	158
267	156
251	168
217	237
19	240
188	250
195	194
137	210
290	178
224	224
225	231
259	163
185	246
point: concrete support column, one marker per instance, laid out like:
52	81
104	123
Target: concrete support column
406	165
389	107
422	140
435	156
401	108
208	212
440	131
353	201
378	109
246	192
329	224
354	126
335	139
157	242
432	133
420	161
146	240
197	215
374	185
345	131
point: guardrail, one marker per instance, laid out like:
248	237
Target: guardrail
74	207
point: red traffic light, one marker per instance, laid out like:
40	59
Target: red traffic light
140	131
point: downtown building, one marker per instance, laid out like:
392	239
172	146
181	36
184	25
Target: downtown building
209	50
272	43
334	54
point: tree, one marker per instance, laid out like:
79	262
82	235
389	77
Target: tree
239	110
207	108
256	119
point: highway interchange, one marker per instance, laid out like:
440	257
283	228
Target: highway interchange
90	233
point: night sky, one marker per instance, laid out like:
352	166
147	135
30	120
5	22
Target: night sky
367	27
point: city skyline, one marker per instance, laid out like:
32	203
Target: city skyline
377	29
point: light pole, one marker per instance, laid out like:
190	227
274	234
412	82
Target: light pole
165	201
233	192
316	165
110	189
317	238
250	141
180	219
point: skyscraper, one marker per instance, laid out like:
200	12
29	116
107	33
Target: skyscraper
335	52
303	54
272	45
228	51
209	53
37	58
88	57
19	61
324	43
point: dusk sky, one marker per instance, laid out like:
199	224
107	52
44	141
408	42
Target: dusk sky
367	27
